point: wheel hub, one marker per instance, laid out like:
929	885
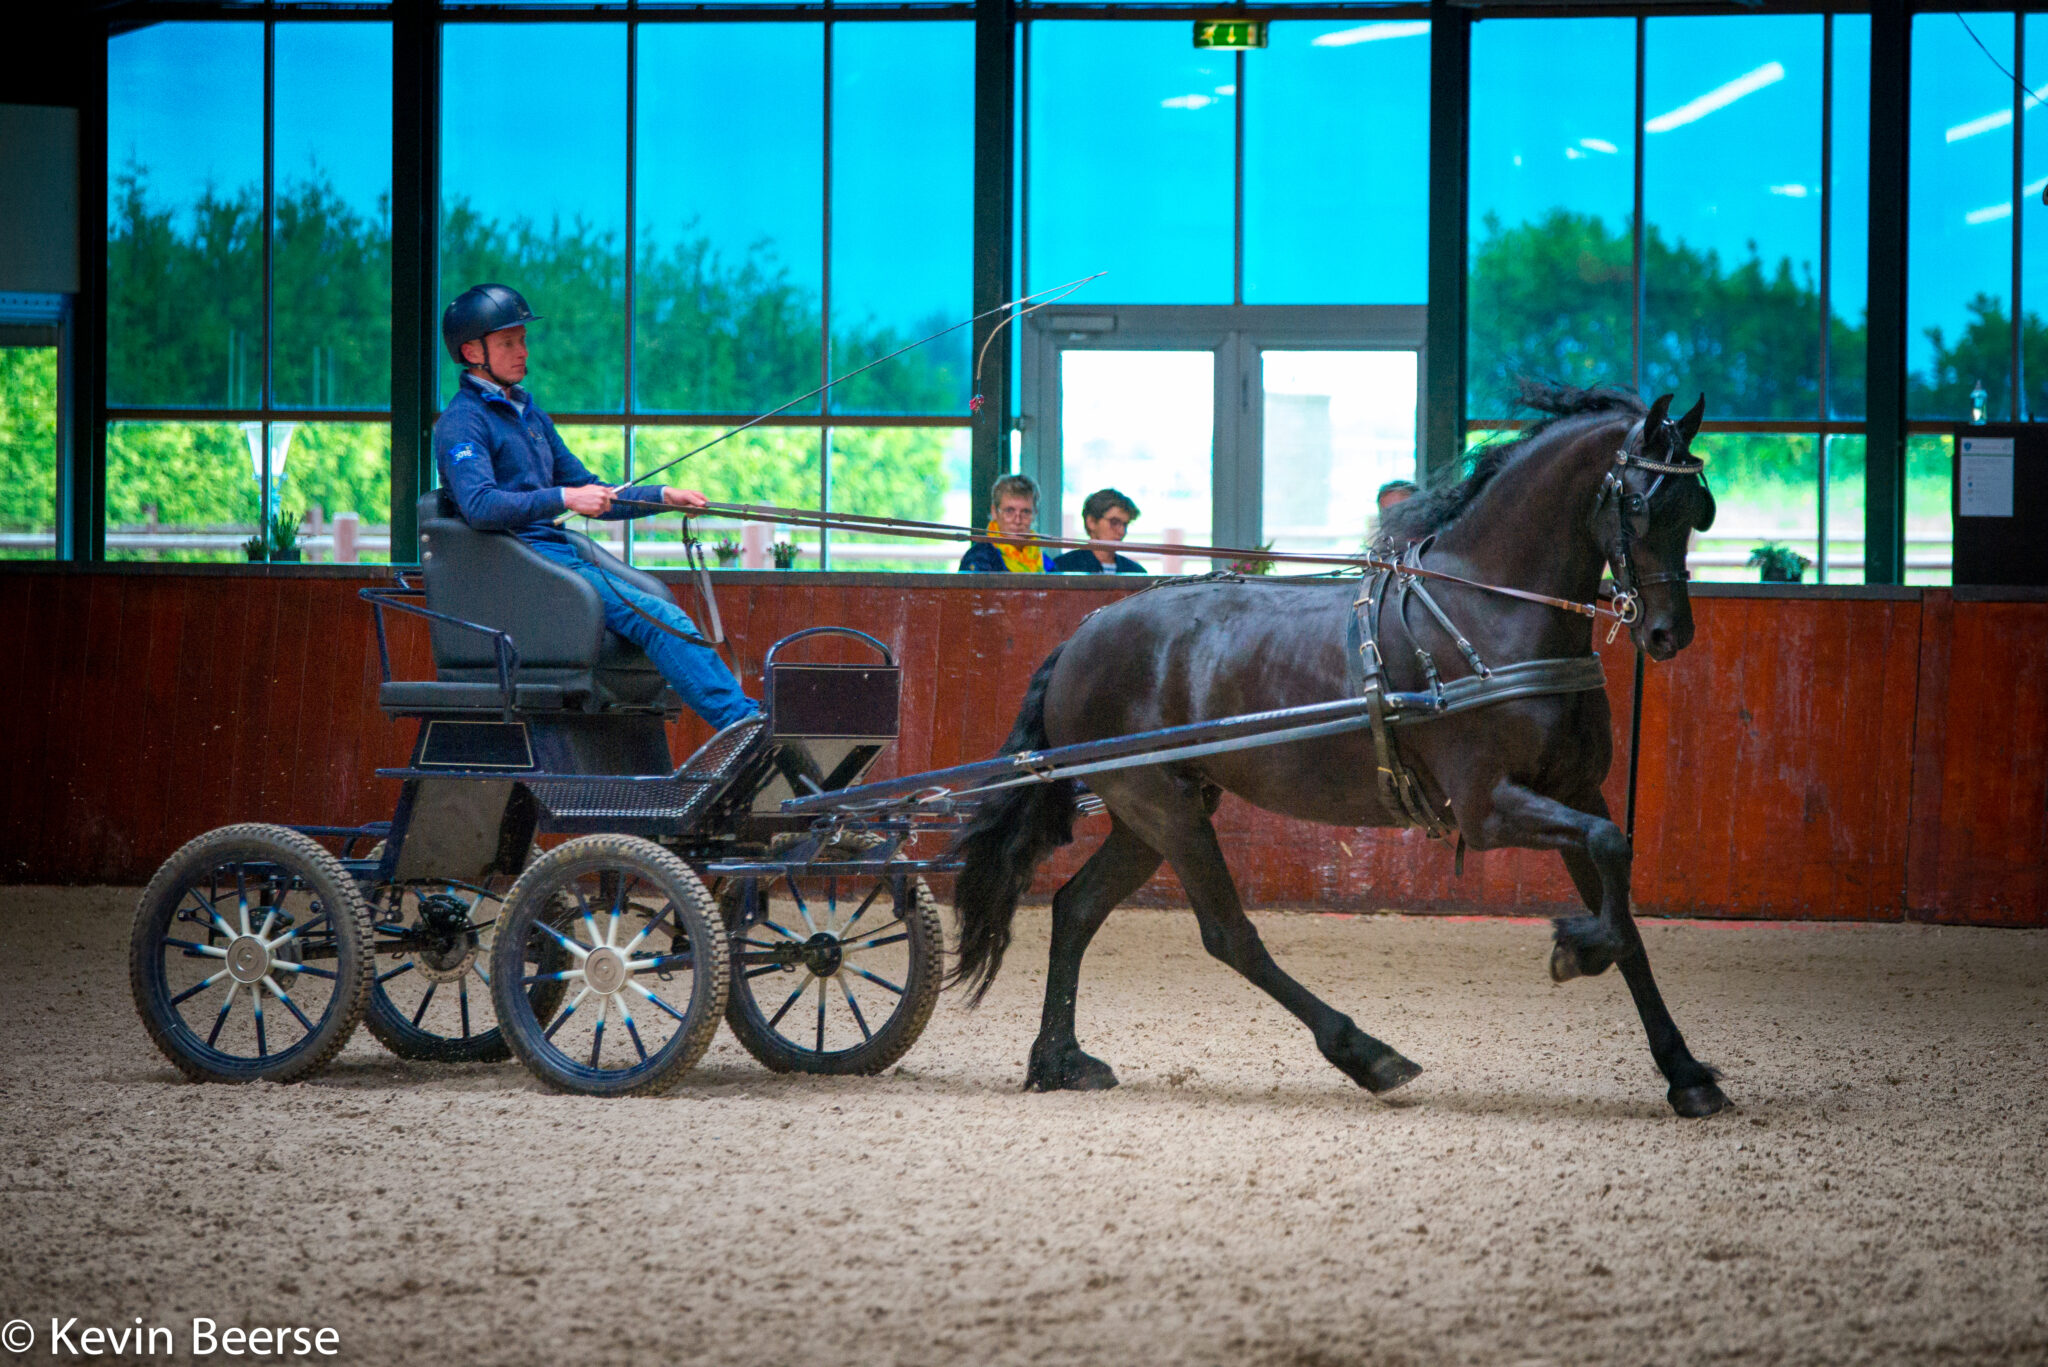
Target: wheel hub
605	970
446	940
248	961
822	954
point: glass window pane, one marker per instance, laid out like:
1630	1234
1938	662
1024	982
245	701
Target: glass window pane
1845	559
1336	164
1142	422
1338	425
909	472
331	266
602	448
537	199
1849	221
1959	217
2034	222
1132	162
902	213
777	466
1732	193
184	211
1766	493
730	196
1551	188
181	490
1930	521
28	453
337	477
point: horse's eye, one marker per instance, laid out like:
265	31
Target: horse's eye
1635	503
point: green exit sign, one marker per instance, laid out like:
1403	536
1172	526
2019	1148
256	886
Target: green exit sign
1230	33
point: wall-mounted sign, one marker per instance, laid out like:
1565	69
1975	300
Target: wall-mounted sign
1230	33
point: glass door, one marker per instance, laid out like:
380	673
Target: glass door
1142	423
1232	426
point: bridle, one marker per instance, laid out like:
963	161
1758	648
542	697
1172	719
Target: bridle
1629	585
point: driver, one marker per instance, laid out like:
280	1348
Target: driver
502	460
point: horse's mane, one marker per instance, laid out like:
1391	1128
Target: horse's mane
1431	512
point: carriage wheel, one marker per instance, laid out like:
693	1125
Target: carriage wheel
430	997
832	973
250	958
641	962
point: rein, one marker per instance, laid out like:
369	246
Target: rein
943	531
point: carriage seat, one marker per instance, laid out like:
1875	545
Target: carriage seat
568	660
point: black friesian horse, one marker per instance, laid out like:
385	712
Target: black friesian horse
1540	513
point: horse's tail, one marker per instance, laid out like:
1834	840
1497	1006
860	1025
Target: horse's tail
1003	843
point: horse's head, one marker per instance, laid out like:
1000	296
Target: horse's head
1649	505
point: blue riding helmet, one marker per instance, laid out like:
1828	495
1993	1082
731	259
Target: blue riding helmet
479	311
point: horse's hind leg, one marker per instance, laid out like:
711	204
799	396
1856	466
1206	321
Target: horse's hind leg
1182	830
1589	840
1116	870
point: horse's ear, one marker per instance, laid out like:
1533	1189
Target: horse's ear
1660	412
1689	425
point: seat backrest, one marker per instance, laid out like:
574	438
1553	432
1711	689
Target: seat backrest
552	615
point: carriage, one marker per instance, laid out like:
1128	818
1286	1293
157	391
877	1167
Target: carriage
684	893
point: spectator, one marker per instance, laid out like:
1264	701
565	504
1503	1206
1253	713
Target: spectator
1016	503
1395	491
1108	515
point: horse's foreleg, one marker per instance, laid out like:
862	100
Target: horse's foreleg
1591	843
1115	871
1228	935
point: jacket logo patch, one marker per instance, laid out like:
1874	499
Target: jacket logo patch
466	451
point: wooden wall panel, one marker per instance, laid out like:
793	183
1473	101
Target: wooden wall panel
1865	757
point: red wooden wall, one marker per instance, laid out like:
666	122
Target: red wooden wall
1866	755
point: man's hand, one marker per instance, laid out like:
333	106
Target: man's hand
591	500
682	498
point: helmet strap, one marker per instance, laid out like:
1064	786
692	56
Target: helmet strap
484	344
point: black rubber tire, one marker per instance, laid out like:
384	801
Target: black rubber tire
314	871
547	879
778	1053
394	1028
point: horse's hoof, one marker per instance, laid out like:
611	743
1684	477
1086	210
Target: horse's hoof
1584	949
1388	1071
1698	1102
1070	1072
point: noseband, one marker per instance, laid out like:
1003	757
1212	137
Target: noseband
1628	585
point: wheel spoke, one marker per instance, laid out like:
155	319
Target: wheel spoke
657	1001
796	895
289	1004
566	975
256	1006
425	997
648	929
597	1035
242	898
298	931
611	929
222	1018
311	971
776	1019
879	982
861	911
579	951
195	991
768	968
405	967
462	991
873	943
823	997
194	947
589	919
567	1012
854	1006
785	934
656	965
632	1029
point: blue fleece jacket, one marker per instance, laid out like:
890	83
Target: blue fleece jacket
507	468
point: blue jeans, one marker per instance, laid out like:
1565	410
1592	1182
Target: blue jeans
694	671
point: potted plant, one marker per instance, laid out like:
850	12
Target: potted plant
1779	564
785	553
1253	564
277	542
728	552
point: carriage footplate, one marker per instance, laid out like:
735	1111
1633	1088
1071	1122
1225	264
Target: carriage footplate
673	797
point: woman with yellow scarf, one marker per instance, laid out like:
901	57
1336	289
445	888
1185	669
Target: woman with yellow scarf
1015	499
